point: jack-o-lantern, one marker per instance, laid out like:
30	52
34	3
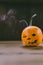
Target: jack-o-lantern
31	35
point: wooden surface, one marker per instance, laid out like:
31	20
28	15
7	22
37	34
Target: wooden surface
13	53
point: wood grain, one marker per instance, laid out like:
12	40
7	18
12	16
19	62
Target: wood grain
14	53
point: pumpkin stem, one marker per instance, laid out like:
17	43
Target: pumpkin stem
32	19
23	21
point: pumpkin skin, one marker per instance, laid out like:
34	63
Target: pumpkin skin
42	38
31	36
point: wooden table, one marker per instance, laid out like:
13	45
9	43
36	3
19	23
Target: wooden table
13	53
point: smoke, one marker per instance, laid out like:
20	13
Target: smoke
32	19
11	17
23	20
34	15
3	17
10	14
8	21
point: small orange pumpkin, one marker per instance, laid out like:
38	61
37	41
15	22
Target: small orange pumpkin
31	35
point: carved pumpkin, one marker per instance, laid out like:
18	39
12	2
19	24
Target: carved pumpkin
31	35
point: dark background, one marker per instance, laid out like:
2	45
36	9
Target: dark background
24	10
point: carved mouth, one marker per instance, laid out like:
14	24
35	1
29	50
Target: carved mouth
33	42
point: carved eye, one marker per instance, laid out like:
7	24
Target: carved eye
28	38
33	34
24	36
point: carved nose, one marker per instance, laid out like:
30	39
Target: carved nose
28	38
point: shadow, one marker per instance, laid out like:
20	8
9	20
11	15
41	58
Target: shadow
33	47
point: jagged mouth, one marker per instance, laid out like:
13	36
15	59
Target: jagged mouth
33	42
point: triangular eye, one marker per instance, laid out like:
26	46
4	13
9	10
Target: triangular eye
33	34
